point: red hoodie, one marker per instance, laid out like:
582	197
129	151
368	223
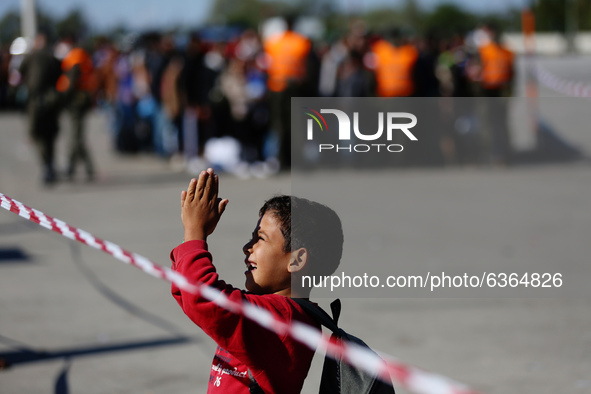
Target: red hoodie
278	363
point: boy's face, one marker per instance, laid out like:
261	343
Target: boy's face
267	263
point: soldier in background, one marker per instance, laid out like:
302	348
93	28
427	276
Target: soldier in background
287	58
79	80
496	78
40	71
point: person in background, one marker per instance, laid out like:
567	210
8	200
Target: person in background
5	57
393	63
426	86
353	78
170	98
242	85
496	79
461	143
164	67
287	60
40	71
393	60
78	76
105	60
124	129
191	90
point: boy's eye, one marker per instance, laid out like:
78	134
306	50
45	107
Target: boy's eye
255	238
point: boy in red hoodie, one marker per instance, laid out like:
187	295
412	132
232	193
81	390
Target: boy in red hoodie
289	239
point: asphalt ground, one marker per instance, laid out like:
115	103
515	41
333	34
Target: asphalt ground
74	320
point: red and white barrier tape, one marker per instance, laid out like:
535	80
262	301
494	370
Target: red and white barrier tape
387	368
560	85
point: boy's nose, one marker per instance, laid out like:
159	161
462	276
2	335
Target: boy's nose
246	248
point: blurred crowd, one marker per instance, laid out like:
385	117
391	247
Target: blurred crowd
224	99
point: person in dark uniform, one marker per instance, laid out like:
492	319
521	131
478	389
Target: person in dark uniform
40	71
79	80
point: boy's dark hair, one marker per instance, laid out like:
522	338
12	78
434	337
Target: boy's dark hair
311	225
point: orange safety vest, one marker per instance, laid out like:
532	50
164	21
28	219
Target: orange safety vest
497	65
286	59
87	80
393	69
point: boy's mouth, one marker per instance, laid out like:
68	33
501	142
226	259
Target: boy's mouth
250	265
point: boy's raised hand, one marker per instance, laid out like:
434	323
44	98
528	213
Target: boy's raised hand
201	208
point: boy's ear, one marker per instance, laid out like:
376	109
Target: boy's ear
299	258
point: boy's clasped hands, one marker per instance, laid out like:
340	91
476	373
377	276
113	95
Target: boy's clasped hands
201	208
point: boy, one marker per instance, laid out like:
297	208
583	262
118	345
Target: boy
290	239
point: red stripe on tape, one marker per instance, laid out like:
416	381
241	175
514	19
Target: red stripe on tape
409	377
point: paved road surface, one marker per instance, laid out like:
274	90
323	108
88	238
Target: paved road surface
75	320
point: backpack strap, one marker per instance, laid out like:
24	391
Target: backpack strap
335	308
253	387
320	315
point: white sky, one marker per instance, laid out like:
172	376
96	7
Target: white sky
141	14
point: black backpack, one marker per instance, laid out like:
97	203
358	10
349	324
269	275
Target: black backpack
338	377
